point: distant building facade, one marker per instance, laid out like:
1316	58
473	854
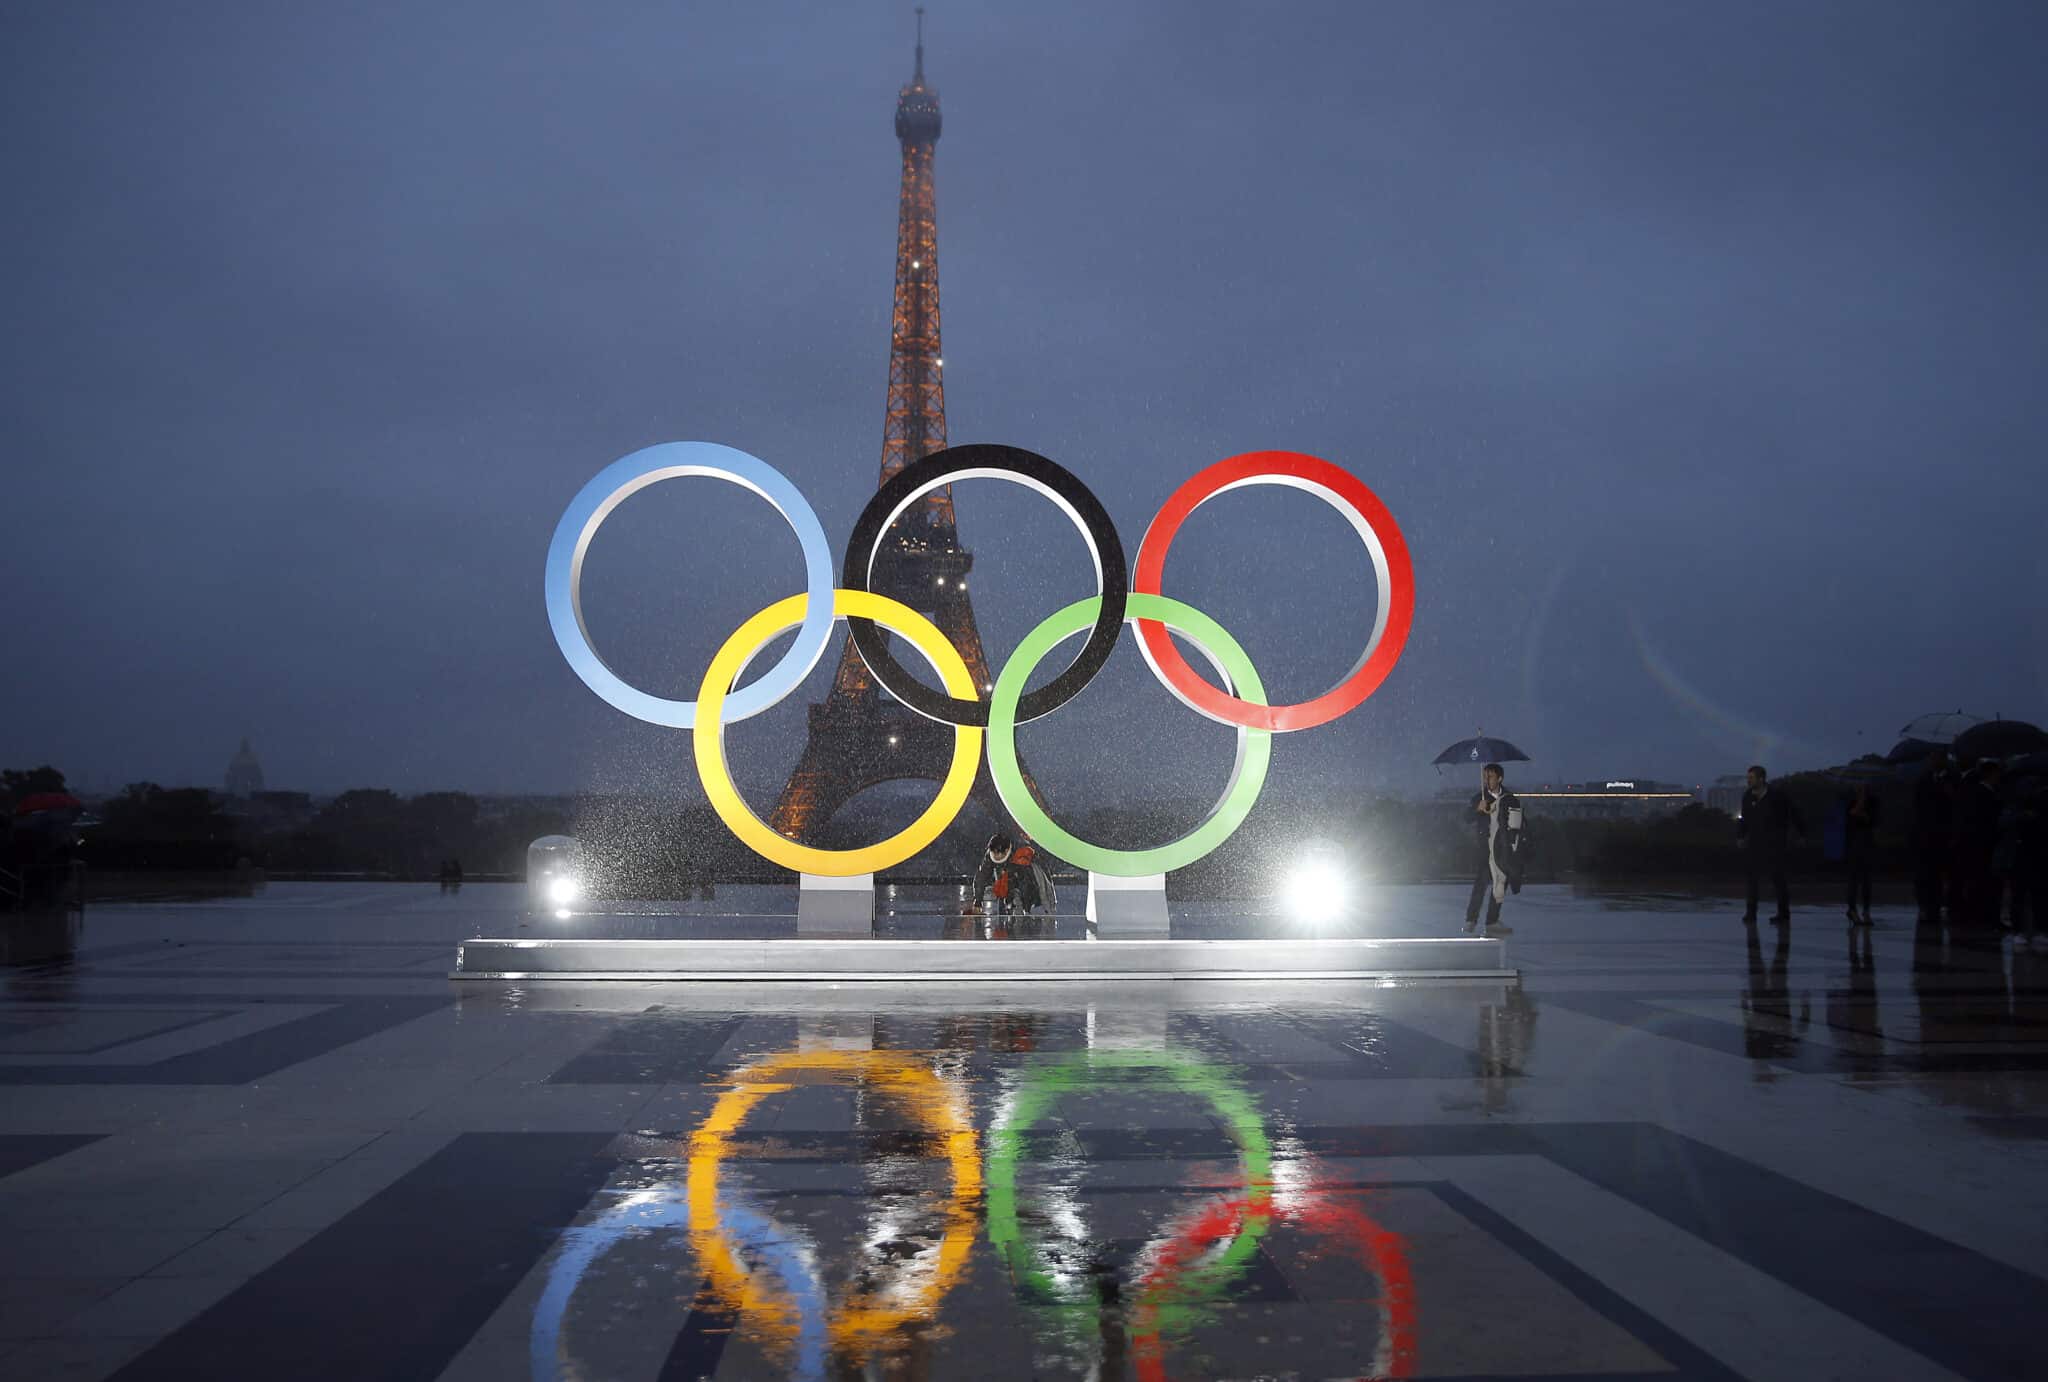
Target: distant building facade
1726	793
245	774
1606	798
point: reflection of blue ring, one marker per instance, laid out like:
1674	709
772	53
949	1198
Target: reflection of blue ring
776	1247
611	487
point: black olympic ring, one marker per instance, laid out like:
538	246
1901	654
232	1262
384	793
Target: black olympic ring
1028	468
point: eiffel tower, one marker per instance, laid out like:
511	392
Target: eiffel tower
860	735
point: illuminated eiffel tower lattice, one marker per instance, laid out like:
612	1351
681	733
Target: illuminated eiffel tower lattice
860	735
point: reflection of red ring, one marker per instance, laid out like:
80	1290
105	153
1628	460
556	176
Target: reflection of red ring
1382	1251
1375	526
1379	1248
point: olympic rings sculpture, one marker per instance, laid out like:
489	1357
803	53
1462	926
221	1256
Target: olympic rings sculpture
1241	703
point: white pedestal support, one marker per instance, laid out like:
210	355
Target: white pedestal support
1128	907
836	906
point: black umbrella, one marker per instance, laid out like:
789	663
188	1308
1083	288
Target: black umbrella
1482	750
1999	739
1940	727
1911	750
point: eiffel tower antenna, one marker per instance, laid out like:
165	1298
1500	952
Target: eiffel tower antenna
859	735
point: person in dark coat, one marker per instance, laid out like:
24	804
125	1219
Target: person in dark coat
1859	848
1934	798
2030	864
1768	819
1974	906
1011	878
1498	837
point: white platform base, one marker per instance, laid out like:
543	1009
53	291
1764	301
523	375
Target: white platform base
1474	957
836	906
1128	907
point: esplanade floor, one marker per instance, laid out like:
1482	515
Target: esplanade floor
270	1139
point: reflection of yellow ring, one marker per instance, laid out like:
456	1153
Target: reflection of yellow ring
934	1101
732	660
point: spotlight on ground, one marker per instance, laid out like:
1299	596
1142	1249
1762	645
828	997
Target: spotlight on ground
1317	888
554	874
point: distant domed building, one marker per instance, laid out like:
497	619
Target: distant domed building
245	774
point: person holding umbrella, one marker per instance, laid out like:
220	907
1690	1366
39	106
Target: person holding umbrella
1496	823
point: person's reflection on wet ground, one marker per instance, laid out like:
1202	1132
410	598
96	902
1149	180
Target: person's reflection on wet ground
2029	990
42	941
1766	1003
998	926
1852	1012
1109	1301
1971	999
1507	1032
997	1033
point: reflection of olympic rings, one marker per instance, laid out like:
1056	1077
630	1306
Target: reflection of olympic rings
1241	704
1027	468
1165	1298
1187	1269
1247	770
1039	1271
647	1211
730	662
921	1092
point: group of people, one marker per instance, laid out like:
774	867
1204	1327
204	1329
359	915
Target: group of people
1975	844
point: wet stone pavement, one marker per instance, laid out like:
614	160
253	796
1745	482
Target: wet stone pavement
269	1138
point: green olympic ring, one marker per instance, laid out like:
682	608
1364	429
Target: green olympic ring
1247	773
1040	1088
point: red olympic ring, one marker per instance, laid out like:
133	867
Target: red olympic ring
1379	1248
1375	526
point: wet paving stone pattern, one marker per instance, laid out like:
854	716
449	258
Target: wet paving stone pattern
269	1138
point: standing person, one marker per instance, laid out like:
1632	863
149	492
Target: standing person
1768	817
1496	823
1859	847
2030	864
1974	905
1934	798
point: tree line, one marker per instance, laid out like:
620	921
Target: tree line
652	847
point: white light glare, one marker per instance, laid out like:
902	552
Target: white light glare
1316	890
564	890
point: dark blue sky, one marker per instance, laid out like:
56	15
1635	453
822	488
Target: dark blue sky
1697	348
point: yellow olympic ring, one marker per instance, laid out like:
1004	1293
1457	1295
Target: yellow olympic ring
727	668
921	1092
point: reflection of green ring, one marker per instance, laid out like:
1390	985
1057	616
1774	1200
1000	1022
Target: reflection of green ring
1042	1086
1247	775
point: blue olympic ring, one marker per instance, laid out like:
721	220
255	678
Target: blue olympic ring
611	487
